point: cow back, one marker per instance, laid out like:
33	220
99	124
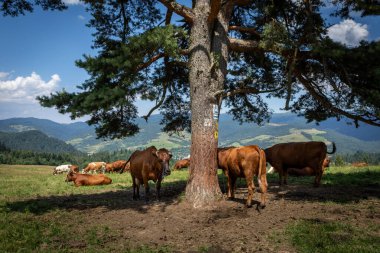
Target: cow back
296	154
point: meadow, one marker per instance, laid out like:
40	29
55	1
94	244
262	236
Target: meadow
40	212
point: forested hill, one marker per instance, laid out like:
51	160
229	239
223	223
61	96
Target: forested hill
36	141
283	127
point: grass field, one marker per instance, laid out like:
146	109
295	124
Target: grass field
36	214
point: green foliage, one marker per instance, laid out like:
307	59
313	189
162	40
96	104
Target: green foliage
339	161
313	236
275	37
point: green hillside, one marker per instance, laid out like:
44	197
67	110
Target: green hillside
36	141
283	127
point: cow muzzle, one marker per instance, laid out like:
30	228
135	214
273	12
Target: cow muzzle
166	171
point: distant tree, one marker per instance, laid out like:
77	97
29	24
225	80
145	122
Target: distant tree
339	161
219	51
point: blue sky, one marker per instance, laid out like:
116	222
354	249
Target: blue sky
38	53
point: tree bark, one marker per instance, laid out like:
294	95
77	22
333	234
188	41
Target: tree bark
203	187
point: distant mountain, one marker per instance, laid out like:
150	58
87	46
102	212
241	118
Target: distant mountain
283	127
36	141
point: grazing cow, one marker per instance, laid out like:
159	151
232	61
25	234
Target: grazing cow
97	167
359	164
247	161
298	155
85	179
65	168
184	163
116	166
307	171
149	164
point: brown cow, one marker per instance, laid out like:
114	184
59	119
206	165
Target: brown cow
116	166
184	163
149	164
307	171
97	167
298	155
359	164
85	179
74	168
247	161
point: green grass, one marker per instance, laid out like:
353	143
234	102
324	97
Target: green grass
28	194
315	236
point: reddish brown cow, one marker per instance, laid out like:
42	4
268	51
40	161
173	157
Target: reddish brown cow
247	161
97	167
184	163
307	171
85	179
359	164
74	168
116	166
149	164
298	155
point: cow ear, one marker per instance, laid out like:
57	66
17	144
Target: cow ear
155	153
170	155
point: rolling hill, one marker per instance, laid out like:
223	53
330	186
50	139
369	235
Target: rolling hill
34	140
284	127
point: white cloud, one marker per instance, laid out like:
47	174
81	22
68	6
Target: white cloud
81	17
348	32
72	2
3	75
25	89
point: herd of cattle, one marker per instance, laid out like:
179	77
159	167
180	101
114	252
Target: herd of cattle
296	158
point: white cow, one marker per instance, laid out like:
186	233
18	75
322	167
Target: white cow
62	168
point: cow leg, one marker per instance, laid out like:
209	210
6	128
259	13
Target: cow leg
285	176
251	190
263	187
318	177
230	186
138	188
146	185
134	188
158	188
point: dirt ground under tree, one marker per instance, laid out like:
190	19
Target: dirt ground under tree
228	226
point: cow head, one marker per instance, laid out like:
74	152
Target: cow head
70	176
164	157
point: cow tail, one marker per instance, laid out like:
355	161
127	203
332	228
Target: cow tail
262	167
122	170
334	149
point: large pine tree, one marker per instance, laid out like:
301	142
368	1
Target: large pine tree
193	58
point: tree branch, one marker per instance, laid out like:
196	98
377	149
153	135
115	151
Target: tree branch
179	9
241	3
215	8
247	90
328	105
150	61
243	46
158	104
241	29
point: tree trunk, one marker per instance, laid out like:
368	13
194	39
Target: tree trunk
203	187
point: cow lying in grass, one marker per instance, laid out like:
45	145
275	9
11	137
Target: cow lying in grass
85	179
184	163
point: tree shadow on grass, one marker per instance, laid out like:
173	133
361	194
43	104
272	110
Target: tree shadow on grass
335	187
112	200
